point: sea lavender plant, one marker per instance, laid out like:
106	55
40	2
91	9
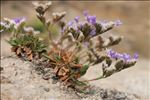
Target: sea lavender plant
24	40
79	46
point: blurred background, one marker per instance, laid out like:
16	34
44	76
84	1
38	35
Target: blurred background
135	16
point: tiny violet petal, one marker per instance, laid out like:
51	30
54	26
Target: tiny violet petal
75	27
77	19
86	13
107	24
119	55
103	23
91	19
93	32
135	56
118	23
86	44
18	20
126	57
80	25
70	23
111	53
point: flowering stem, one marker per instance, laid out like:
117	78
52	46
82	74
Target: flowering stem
59	42
49	32
94	79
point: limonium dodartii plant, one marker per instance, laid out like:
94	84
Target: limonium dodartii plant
79	45
24	41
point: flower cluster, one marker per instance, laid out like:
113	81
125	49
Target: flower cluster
91	26
15	21
12	24
125	57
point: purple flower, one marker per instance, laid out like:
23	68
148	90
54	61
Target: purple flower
112	53
91	19
80	25
118	23
124	56
135	56
119	55
106	24
86	44
109	24
73	25
18	20
93	32
86	13
103	22
70	23
76	19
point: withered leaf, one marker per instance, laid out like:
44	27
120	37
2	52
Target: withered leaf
76	65
13	49
18	51
63	71
30	57
56	69
64	78
27	50
66	56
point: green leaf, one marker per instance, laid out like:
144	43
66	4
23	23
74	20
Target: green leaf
29	41
13	42
84	69
58	58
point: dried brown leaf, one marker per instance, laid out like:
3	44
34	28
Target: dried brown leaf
18	51
64	78
30	57
13	49
27	50
63	71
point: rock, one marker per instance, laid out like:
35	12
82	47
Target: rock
28	85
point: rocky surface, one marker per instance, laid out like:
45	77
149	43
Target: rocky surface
20	81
